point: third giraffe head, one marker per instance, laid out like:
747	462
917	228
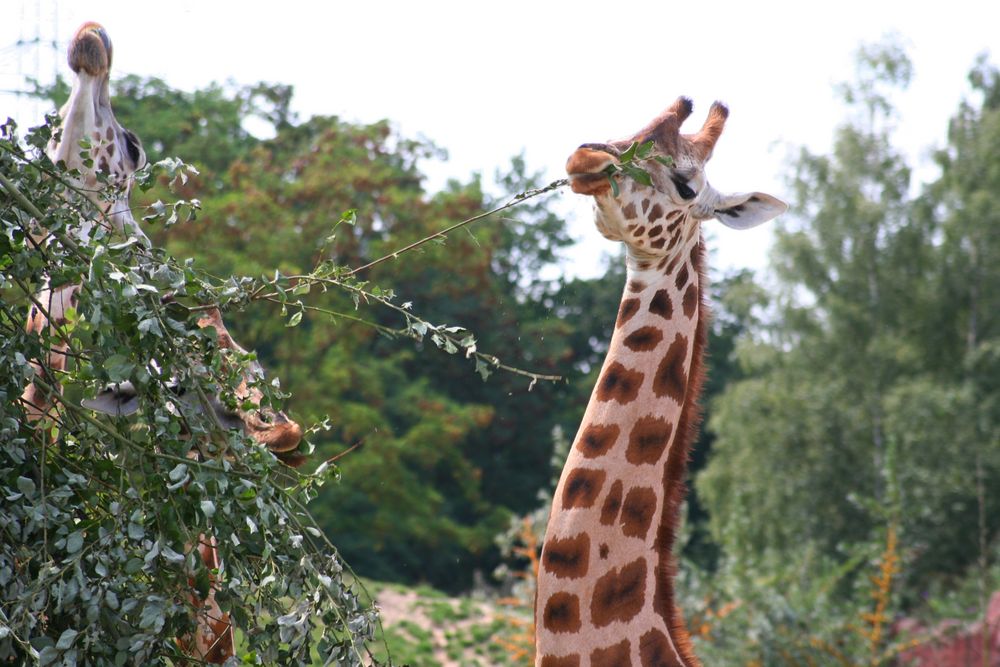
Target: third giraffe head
657	221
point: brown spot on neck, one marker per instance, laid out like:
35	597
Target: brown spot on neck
690	301
562	613
682	277
567	558
660	304
572	660
596	439
643	339
612	504
619	595
670	378
628	308
616	655
637	512
582	487
648	440
655	650
619	384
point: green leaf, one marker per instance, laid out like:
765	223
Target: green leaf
151	617
208	508
350	216
118	368
294	319
150	325
629	153
171	556
26	486
640	175
136	531
202	582
74	542
66	639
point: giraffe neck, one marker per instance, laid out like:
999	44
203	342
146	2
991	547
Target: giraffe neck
88	119
605	585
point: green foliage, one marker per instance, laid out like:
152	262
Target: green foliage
100	515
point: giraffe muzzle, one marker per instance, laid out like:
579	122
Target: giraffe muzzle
90	50
586	168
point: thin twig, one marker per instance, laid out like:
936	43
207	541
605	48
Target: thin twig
337	457
519	198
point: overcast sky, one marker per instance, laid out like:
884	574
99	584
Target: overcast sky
486	81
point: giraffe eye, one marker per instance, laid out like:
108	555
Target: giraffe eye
134	147
683	189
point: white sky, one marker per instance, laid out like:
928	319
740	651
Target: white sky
486	81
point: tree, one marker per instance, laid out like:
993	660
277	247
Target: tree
812	412
862	437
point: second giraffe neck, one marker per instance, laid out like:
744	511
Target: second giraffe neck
605	588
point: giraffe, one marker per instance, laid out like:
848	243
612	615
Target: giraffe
117	154
605	592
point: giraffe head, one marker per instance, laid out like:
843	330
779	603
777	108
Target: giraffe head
265	425
655	221
87	117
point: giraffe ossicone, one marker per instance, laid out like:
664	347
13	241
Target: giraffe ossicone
605	584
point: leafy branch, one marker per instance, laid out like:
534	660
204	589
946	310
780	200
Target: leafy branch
451	339
97	530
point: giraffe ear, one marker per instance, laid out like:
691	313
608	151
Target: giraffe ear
746	210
